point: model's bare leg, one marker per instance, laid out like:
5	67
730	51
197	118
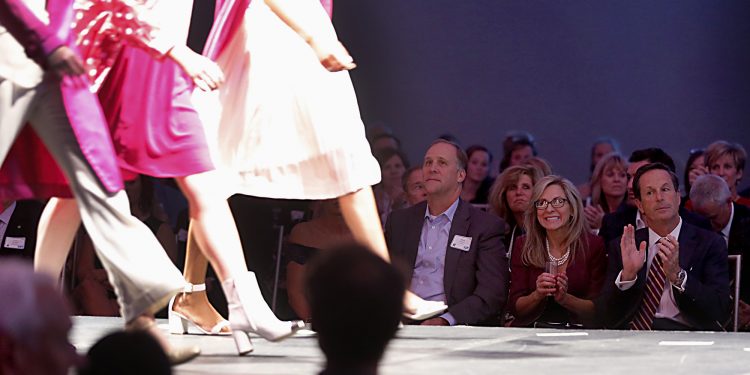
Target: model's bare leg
361	215
55	234
195	305
216	234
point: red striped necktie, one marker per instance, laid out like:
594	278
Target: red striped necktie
644	318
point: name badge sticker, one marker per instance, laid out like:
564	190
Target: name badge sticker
461	243
15	243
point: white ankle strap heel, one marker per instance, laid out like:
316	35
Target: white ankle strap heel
179	324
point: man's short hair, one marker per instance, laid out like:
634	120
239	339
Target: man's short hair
356	301
710	188
463	160
653	155
651	167
718	149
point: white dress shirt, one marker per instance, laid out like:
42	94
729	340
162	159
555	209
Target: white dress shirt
5	218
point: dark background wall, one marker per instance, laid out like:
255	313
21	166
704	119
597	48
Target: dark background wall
672	74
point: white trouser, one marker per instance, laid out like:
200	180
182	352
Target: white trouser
141	273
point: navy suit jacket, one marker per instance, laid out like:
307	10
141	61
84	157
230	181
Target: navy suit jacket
475	281
739	243
705	301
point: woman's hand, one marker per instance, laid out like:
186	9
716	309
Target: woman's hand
204	72
332	55
546	284
562	288
594	215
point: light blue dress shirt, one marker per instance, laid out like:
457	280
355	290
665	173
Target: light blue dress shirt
429	268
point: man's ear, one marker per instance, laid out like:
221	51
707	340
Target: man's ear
461	175
639	205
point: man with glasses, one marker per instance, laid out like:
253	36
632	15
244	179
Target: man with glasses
453	251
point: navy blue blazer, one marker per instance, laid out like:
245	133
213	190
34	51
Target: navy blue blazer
475	281
705	301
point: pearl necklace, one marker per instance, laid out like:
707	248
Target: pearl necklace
561	260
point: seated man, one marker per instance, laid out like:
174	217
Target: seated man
671	275
18	222
454	252
627	213
712	198
34	323
356	305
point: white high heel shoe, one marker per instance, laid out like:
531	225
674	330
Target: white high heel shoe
248	312
180	324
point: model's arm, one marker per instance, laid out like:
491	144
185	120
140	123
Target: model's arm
310	20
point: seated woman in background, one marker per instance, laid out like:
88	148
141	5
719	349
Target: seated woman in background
599	148
556	232
609	188
510	197
694	168
478	181
327	229
389	193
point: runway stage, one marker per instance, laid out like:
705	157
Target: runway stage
471	350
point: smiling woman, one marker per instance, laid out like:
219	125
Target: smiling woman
556	232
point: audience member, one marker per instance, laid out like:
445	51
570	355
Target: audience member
478	181
628	213
602	146
345	286
559	258
413	183
326	230
34	323
671	275
384	141
727	160
695	167
712	198
453	251
608	189
517	148
540	164
510	198
18	222
389	193
126	353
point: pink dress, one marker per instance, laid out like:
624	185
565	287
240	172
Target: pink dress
146	96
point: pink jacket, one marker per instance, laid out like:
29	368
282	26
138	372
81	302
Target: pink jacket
29	170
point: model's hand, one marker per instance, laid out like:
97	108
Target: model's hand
669	252
332	55
594	215
632	256
204	72
64	62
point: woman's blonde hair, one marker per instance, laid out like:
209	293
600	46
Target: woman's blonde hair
534	248
613	159
498	192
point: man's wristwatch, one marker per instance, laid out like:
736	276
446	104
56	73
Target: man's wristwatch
681	276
